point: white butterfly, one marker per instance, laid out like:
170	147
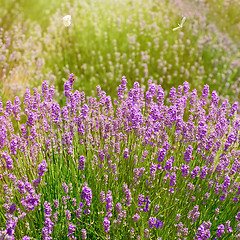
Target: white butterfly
67	20
180	25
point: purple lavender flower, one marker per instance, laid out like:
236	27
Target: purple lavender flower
122	88
42	168
102	197
8	159
203	172
152	222
220	230
36	182
109	205
47	230
195	172
160	95
172	179
44	90
65	188
171	190
169	163
203	232
26	238
205	92
158	224
147	233
146	209
68	215
68	88
84	233
119	207
227	227
56	204
141	200
86	195
238	217
47	210
233	109
30	201
161	155
106	224
215	99
136	217
156	209
82	161
193	97
71	230
185	170
235	199
128	194
172	95
126	153
188	154
186	88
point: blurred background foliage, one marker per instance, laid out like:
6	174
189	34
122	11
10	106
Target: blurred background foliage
109	39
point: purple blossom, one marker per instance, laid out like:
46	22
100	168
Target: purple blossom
185	170
126	153
102	197
161	155
71	230
68	215
237	217
235	199
26	238
136	217
188	154
214	99
172	95
8	159
82	161
42	168
203	232
56	204
233	109
86	195
119	207
65	188
36	182
227	227
47	230
84	233
146	209
158	224
173	179
141	200
12	208
152	222
109	205
128	195
106	224
195	172
220	230
30	201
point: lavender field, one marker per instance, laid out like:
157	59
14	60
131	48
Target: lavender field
119	119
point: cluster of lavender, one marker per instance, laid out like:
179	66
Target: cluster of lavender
143	166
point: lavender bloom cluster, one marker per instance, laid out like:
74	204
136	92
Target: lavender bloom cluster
146	167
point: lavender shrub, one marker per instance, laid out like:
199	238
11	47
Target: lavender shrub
145	166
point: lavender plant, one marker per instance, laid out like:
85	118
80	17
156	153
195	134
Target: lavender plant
144	166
